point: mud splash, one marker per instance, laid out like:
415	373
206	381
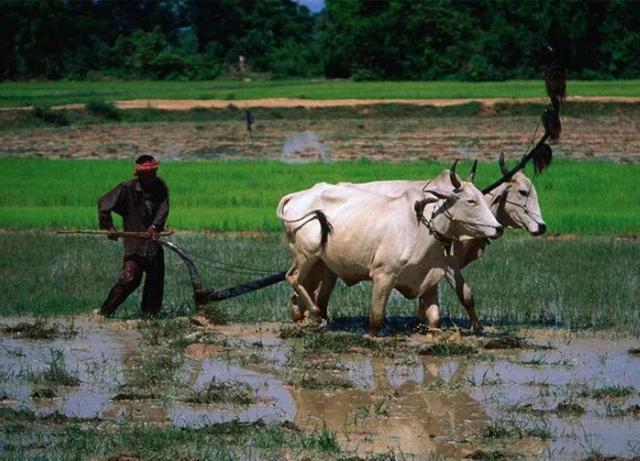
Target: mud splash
401	401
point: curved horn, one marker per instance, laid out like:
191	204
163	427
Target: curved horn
503	165
472	173
452	175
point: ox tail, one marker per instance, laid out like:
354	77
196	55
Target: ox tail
325	226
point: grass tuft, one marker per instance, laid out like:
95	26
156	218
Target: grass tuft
324	442
49	116
103	109
613	392
36	330
217	392
447	349
569	409
56	374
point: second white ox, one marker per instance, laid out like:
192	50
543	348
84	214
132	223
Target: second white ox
515	205
354	234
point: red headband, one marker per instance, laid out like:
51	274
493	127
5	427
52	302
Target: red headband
150	165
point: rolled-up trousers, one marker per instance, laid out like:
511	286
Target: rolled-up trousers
130	277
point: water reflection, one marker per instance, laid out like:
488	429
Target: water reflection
409	403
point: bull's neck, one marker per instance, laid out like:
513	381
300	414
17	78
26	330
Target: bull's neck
494	205
444	226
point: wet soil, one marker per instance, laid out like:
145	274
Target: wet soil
553	389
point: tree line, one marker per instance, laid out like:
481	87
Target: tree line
357	39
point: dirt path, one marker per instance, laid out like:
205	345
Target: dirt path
188	104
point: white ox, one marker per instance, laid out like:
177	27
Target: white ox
515	205
355	234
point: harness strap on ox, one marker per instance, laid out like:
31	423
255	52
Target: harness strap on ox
444	241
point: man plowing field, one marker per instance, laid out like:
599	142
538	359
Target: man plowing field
143	203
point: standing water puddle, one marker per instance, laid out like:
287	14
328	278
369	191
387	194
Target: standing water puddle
414	404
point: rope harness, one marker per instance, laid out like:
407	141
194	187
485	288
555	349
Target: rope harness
444	241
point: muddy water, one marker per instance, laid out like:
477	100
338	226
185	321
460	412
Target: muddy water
408	403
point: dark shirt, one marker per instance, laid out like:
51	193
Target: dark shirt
139	208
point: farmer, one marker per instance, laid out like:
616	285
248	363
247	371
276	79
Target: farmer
143	203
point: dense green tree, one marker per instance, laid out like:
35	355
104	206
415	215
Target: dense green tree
359	39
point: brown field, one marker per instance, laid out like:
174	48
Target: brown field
608	134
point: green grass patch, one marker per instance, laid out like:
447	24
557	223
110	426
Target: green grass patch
27	436
99	112
65	92
318	343
447	349
576	197
519	281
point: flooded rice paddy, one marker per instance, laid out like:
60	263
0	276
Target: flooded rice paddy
548	394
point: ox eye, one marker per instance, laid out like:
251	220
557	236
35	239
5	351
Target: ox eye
524	193
471	202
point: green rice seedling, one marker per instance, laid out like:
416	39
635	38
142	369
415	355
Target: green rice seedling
218	392
165	332
56	374
620	411
307	376
152	369
378	407
440	385
502	429
614	392
575	197
64	92
324	442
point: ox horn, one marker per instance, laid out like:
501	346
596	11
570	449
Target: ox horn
452	175
503	165
472	173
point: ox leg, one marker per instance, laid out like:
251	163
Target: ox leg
297	308
382	286
319	283
327	282
463	290
296	277
428	309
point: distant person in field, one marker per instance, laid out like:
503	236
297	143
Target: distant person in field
143	203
